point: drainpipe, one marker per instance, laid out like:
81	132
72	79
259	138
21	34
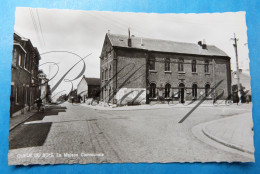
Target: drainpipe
214	82
115	57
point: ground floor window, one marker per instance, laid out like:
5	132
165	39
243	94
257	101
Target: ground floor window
167	90
207	89
152	90
194	91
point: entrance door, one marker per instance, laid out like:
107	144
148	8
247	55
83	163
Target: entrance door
181	92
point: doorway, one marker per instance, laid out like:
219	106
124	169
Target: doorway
181	92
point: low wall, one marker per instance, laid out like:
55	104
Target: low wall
131	96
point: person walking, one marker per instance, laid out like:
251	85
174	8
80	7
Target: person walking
39	104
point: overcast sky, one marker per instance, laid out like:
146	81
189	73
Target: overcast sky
83	32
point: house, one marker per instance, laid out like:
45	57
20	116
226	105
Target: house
25	84
136	70
88	88
44	88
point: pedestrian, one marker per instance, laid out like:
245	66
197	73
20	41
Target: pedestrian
247	99
39	104
72	100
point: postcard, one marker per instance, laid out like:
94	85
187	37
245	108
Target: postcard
124	87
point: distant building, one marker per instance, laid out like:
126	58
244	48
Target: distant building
45	89
136	70
25	85
88	88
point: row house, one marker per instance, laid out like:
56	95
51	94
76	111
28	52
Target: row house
25	84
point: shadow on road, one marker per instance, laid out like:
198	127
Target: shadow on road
30	135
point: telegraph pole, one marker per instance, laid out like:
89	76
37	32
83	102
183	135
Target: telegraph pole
237	67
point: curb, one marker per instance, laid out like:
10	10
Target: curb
19	123
234	146
111	109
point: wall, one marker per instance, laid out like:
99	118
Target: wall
131	76
107	61
187	77
82	88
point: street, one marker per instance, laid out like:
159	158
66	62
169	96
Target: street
73	133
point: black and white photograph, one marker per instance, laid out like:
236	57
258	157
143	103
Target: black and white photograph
125	87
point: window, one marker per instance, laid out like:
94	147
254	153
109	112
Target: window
206	67
19	59
194	91
25	61
105	74
152	90
167	90
167	64
207	88
193	66
180	64
152	63
16	95
109	94
109	55
102	75
110	71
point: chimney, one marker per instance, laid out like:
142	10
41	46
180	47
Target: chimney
204	45
142	42
129	38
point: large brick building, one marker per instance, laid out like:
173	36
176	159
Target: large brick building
138	70
25	85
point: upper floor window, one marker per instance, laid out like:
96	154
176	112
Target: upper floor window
20	63
152	63
167	64
180	64
193	66
110	71
109	55
105	74
206	67
102	75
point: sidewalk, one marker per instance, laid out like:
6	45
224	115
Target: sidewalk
16	120
235	132
148	106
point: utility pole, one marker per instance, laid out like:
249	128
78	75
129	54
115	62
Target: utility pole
237	67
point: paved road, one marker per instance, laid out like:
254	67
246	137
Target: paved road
77	134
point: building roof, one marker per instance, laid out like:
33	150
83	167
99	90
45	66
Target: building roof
92	81
165	46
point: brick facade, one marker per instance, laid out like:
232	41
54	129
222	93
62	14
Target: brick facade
25	83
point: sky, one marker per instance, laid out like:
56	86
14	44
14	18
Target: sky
83	33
